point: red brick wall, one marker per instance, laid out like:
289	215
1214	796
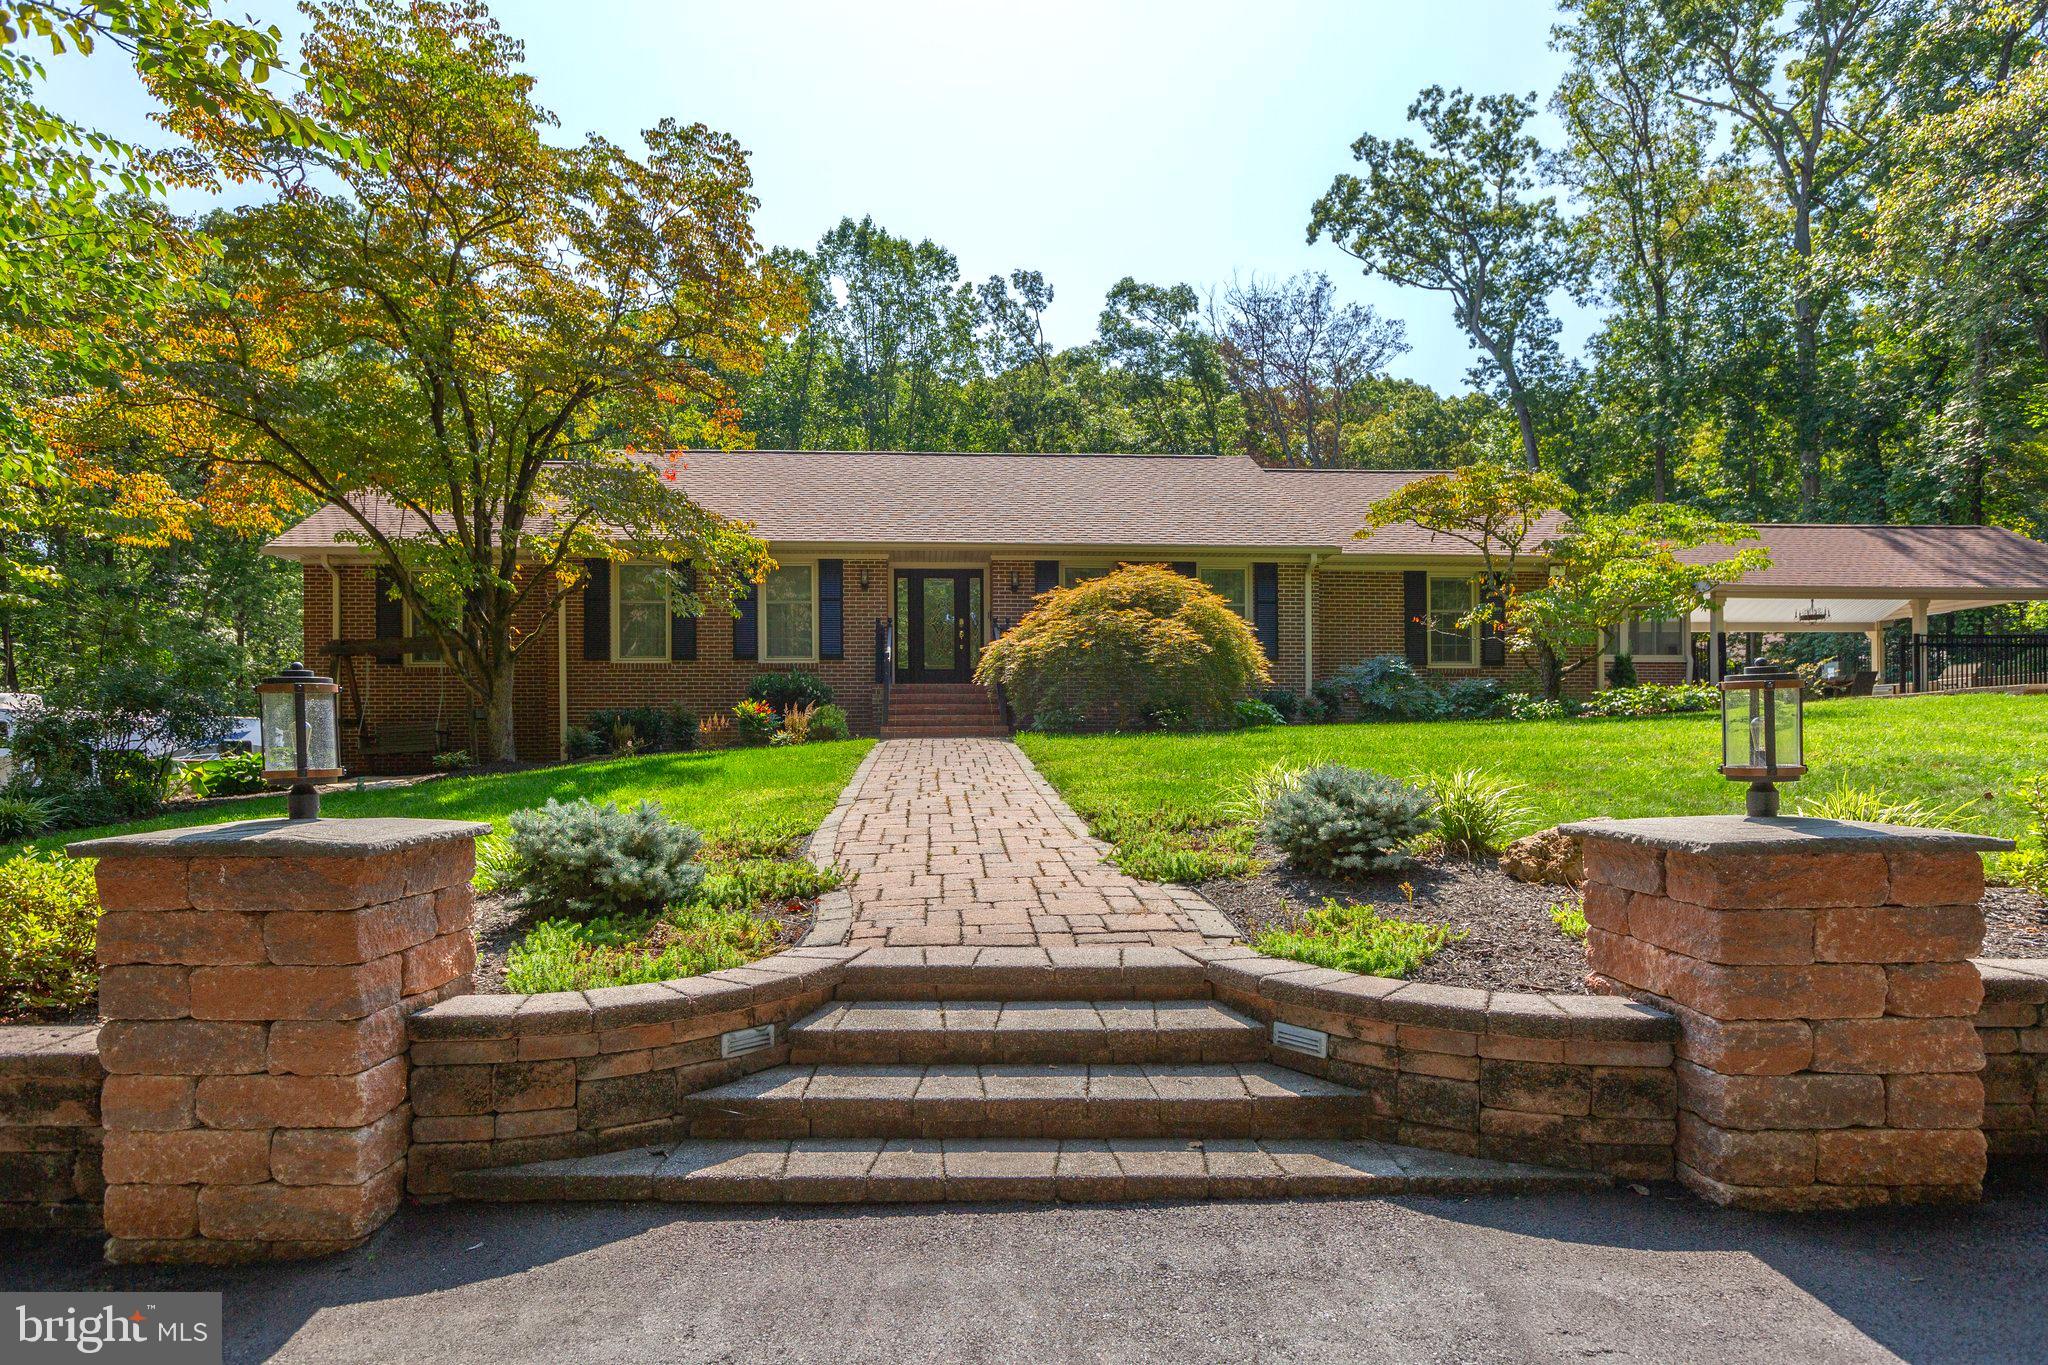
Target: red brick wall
1360	614
714	680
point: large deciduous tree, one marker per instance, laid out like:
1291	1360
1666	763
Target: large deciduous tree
471	329
1636	156
1802	92
1300	362
1458	214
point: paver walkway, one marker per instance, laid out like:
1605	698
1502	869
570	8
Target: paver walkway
960	842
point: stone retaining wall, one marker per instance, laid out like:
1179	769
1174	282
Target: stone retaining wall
50	1128
501	1079
2013	1027
1557	1080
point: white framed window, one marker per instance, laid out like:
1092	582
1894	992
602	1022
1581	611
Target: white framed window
640	611
1232	583
1451	645
1651	637
789	614
426	656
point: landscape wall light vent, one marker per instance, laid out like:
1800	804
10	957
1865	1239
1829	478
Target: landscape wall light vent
742	1041
297	708
1294	1038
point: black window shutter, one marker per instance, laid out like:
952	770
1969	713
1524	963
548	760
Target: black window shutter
1186	568
1493	648
682	629
1415	616
746	627
597	609
390	619
1266	607
1045	575
831	608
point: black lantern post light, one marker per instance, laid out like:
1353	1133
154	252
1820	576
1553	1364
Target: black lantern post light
1760	732
298	736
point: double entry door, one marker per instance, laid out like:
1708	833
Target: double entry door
938	624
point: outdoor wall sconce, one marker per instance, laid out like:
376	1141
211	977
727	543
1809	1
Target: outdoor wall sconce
864	577
298	736
1760	733
1016	582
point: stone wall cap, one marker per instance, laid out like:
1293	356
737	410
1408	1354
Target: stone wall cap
279	838
1743	834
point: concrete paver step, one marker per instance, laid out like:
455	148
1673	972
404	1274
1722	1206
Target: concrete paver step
1164	1099
1043	1031
855	1170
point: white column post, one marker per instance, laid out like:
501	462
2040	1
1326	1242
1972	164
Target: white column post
1308	626
1876	637
1919	624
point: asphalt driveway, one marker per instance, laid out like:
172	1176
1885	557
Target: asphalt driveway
1656	1276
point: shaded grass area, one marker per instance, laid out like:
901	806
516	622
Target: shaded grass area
1176	802
732	796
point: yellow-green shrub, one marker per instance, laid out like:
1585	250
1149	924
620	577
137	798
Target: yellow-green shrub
1142	645
48	910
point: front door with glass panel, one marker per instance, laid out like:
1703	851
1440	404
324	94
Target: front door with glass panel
938	624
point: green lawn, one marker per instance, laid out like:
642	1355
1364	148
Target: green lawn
764	792
1948	751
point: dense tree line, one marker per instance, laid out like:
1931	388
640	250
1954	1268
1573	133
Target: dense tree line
1812	236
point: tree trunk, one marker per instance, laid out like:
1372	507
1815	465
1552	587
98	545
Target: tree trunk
1527	423
10	680
1549	672
496	743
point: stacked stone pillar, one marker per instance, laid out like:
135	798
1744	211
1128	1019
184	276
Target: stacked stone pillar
254	983
1821	975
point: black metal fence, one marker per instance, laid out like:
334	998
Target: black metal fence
1956	663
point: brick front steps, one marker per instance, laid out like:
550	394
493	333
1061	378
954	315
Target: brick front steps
919	1032
943	710
1194	1100
854	1170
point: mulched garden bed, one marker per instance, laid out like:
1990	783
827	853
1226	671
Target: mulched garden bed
1509	944
2015	923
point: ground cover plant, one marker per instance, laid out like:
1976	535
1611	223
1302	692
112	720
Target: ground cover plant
48	910
1356	938
1969	753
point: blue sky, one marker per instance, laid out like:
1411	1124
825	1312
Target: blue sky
1170	141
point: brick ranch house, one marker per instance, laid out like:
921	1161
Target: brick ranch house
951	549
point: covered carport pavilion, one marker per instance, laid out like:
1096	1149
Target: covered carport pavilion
1850	578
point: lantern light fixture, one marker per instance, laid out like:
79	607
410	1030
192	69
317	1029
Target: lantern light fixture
1761	732
299	746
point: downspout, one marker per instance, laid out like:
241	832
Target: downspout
562	680
1308	626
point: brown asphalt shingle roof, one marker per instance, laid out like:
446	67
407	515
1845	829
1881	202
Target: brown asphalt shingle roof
1910	559
1132	502
1114	501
